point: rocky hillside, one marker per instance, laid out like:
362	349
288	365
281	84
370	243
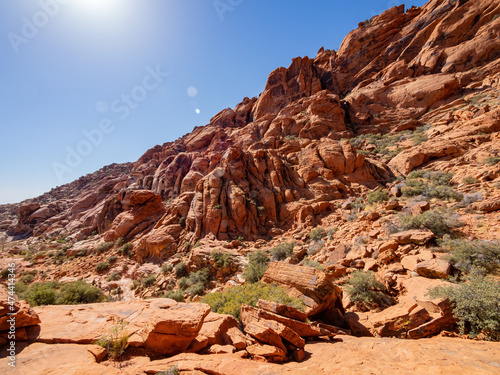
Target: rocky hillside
381	157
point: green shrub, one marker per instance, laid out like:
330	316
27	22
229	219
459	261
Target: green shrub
317	234
105	246
112	259
126	250
315	247
81	253
196	282
176	295
282	251
476	305
439	186
115	276
439	222
40	294
443	193
180	269
230	300
135	284
312	263
174	370
116	342
418	138
377	196
103	266
218	207
365	288
5	273
120	241
414	188
149	281
79	292
257	265
477	257
166	268
27	279
491	160
222	259
469	180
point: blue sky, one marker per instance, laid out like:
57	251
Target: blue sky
86	83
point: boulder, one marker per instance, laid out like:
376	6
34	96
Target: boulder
283	310
416	236
434	268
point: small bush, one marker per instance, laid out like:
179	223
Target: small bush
468	199
120	241
257	265
176	295
79	292
115	276
149	281
27	279
112	259
331	233
5	273
174	370
103	266
230	300
491	160
312	263
476	305
282	251
377	196
469	180
166	268
443	192
126	250
116	342
315	247
218	207
477	257
365	288
105	246
40	294
196	282
180	269
222	259
439	222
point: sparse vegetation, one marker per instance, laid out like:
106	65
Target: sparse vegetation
476	305
105	246
149	281
282	251
491	160
115	276
439	222
469	180
222	259
312	263
363	287
174	370
439	186
257	265
180	269
53	293
315	247
230	300
126	250
196	282
317	234
116	342
377	196
479	257
176	295
166	268
103	266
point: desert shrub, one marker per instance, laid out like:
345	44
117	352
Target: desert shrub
27	279
40	294
116	342
120	241
418	138
105	246
176	295
135	284
317	234
222	259
416	174
218	207
126	250
149	281
479	257
491	160
469	180
257	265
103	266
365	288
112	259
174	370
180	269
439	222
331	232
443	193
312	263
282	251
5	273
414	188
196	282
78	292
315	247
468	199
377	196
114	276
166	268
439	186
230	300
476	305
440	178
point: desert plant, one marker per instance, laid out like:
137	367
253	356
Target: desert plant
180	269
317	234
222	259
282	251
40	294
218	207
257	265
365	288
439	222
479	257
114	276
126	250
116	342
476	305
469	180
149	281
377	196
196	282
315	247
105	246
112	259
230	300
491	160
166	268
120	241
312	263
78	292
174	370
103	266
176	295
468	199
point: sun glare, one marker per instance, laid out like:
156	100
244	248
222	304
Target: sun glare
98	6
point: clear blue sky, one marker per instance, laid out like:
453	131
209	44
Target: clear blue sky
82	65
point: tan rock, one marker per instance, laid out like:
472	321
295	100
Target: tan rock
283	310
435	268
416	236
